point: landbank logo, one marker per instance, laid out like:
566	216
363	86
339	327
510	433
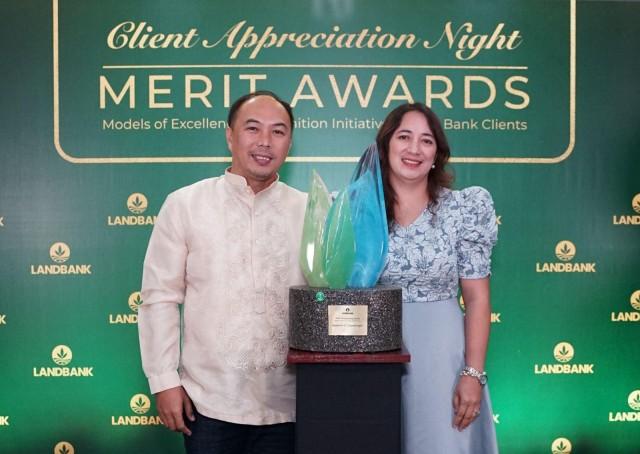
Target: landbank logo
63	447
137	204
565	251
629	316
139	404
62	356
134	301
60	253
633	400
563	352
561	446
635	300
633	219
495	316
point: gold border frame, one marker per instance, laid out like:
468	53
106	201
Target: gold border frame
317	159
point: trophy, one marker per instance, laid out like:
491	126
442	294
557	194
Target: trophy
343	251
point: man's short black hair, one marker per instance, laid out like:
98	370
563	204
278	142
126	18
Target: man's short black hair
241	100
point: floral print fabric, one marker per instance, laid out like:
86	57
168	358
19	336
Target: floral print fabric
451	242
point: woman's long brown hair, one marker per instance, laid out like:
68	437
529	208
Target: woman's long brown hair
438	176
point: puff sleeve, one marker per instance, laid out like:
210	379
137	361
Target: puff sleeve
477	233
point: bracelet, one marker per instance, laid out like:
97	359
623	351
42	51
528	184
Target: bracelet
471	372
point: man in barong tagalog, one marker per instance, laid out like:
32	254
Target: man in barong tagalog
225	250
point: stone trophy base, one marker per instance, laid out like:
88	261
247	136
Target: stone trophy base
345	320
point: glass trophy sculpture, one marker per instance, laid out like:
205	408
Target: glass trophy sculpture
343	252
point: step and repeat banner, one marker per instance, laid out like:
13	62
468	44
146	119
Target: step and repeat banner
108	106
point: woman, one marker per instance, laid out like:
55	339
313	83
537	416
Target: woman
439	240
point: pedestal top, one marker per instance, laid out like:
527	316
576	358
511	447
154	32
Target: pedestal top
307	357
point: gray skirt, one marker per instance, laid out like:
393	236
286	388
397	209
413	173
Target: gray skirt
434	335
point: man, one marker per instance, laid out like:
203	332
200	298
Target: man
226	249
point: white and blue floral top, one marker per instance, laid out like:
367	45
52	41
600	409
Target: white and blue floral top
428	257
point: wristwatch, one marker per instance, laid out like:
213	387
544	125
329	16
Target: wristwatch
471	372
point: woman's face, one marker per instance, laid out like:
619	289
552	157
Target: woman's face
412	149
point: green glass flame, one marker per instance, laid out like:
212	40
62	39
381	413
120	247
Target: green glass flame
339	241
311	259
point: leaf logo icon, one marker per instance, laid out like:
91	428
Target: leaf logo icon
59	252
635	300
563	352
634	400
140	404
137	203
561	446
635	203
135	300
320	297
565	250
61	355
63	447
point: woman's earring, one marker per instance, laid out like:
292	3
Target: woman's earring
433	166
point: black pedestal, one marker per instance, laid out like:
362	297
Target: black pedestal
348	403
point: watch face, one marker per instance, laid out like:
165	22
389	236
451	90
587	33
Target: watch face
483	379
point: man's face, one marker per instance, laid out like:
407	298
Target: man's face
259	141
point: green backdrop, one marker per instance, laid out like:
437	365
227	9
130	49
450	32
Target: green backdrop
108	106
